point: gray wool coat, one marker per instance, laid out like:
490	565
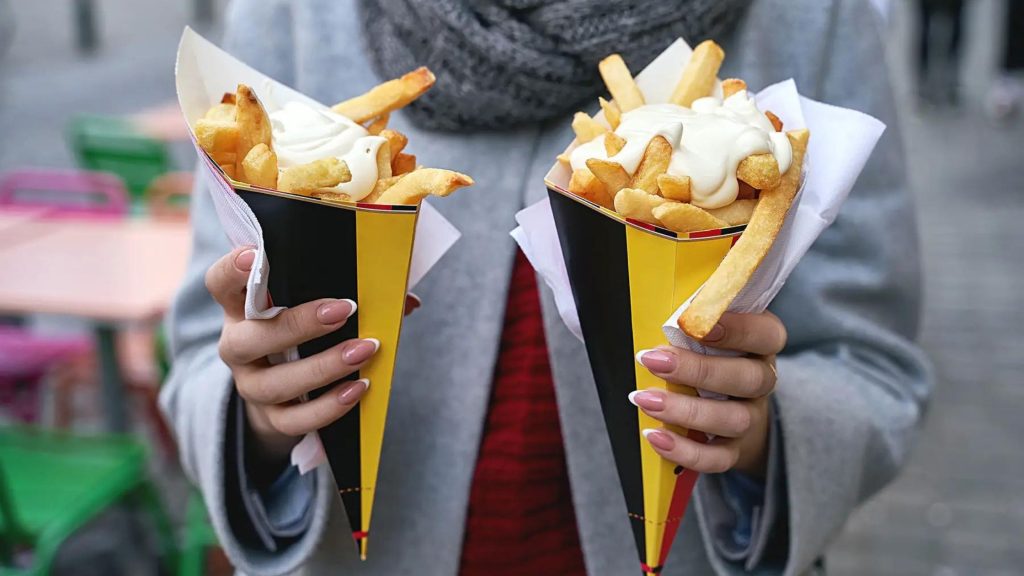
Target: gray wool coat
852	384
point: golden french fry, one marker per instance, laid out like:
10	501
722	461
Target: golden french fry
217	136
259	167
679	217
229	170
610	173
564	159
734	214
379	124
760	171
585	185
654	163
228	98
613	143
224	157
403	164
382	184
620	83
612	112
731	86
639	205
586	128
331	196
384	161
775	120
253	124
698	78
744	258
418	184
222	112
307	178
747	192
386	97
396	140
674	187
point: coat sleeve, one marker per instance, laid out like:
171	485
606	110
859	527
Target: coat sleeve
853	385
198	394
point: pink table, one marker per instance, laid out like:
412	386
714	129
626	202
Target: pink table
110	272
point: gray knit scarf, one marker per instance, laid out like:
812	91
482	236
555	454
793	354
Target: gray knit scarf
503	63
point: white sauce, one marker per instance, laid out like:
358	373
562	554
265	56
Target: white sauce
709	141
303	134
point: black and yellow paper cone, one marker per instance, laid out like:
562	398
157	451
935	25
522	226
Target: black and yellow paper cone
362	252
627	277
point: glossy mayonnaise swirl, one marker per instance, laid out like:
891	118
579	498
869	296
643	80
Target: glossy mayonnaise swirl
709	140
303	134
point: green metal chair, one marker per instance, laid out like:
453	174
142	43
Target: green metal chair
113	145
199	538
53	483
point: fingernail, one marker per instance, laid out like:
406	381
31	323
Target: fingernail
336	311
659	439
360	351
657	361
244	260
353	390
415	298
648	400
715	334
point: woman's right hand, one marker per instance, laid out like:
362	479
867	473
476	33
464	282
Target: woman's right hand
272	392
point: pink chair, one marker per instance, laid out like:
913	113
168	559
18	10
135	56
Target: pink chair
66	193
24	359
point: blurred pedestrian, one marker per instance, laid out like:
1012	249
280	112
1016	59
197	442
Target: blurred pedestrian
1007	93
938	67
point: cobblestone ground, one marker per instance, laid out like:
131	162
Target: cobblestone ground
959	506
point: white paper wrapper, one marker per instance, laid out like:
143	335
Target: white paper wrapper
203	73
841	143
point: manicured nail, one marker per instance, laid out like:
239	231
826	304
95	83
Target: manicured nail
360	351
658	361
659	439
648	400
335	311
715	334
353	390
244	260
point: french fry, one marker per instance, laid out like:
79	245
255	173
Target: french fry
654	163
586	128
384	161
775	120
734	214
307	178
228	98
747	192
613	143
331	196
612	113
259	167
639	205
620	83
583	183
396	141
760	171
253	124
379	124
224	111
382	184
403	164
674	187
216	136
610	173
731	86
229	170
679	217
698	77
224	157
386	97
739	264
418	184
564	159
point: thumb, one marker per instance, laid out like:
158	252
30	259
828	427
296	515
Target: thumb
226	280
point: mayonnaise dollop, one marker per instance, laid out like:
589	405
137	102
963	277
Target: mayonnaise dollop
709	140
303	134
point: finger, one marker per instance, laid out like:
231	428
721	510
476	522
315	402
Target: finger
289	381
743	377
245	342
226	280
712	458
762	334
304	417
729	418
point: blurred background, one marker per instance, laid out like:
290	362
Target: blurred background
89	262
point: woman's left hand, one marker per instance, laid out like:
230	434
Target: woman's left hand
741	423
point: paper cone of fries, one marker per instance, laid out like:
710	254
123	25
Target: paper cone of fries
308	248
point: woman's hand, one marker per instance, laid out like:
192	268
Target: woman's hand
271	392
741	423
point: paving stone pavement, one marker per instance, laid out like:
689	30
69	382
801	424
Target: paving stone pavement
958	508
